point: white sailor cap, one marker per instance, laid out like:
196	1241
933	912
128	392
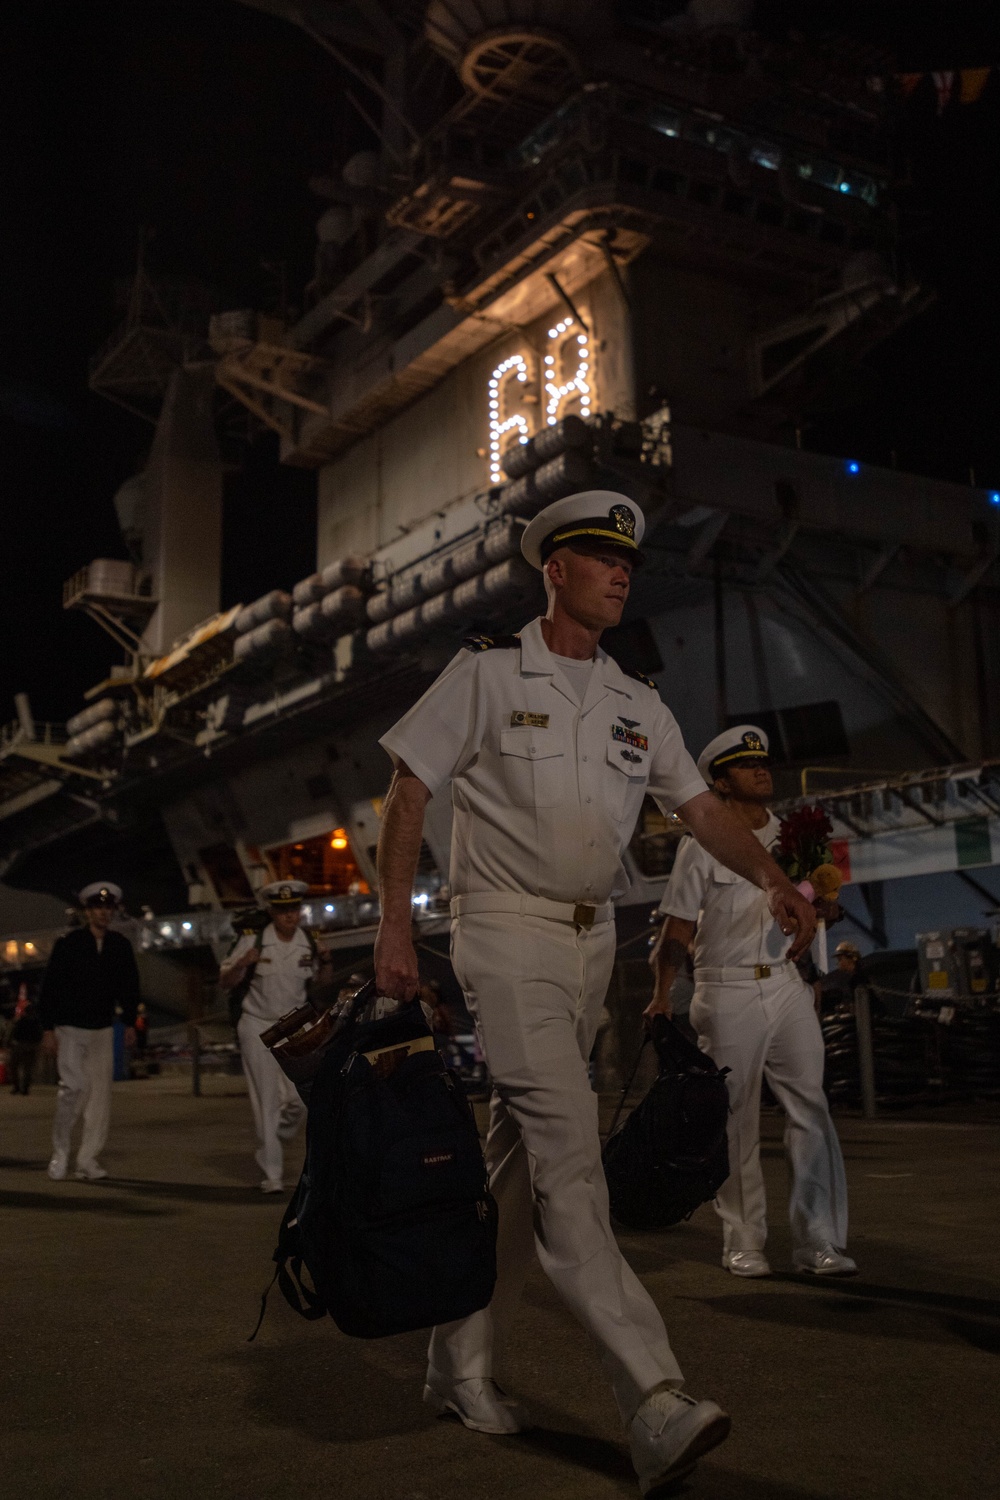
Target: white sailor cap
742	742
594	515
101	893
284	893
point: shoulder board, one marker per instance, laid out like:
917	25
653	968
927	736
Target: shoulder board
646	681
491	642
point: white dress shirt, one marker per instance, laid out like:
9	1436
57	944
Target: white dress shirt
282	973
735	926
546	789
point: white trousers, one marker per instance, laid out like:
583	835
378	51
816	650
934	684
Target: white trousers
769	1028
86	1068
535	989
277	1109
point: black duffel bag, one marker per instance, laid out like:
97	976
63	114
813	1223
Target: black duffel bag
671	1154
392	1217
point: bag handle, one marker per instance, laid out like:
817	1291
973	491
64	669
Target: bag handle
631	1080
673	1047
365	995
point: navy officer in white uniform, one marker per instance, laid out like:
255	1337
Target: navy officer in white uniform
756	1016
274	970
550	748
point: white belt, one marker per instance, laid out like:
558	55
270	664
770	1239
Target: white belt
581	914
744	972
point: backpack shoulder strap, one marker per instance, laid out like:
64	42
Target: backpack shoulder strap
288	1273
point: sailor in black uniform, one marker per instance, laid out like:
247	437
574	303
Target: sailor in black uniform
91	980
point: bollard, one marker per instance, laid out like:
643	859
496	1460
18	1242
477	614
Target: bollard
866	1050
194	1033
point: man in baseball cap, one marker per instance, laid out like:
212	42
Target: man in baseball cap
91	980
756	1016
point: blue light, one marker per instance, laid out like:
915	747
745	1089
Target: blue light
845	187
854	467
995	497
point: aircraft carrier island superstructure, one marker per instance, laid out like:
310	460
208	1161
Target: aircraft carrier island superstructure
626	246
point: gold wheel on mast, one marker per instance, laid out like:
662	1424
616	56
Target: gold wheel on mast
525	64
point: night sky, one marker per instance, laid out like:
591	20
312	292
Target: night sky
201	121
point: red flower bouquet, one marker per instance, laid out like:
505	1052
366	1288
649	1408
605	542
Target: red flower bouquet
803	852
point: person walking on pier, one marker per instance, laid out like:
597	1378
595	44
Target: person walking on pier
91	980
25	1040
755	1015
550	748
271	970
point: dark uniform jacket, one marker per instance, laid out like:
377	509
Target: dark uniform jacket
27	1029
84	987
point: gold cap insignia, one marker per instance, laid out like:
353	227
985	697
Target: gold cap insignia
623	519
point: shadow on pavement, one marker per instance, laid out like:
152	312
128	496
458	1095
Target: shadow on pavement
94	1203
708	1482
200	1192
940	1301
866	1316
583	1449
377	1390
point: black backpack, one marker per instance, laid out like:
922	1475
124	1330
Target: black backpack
671	1154
392	1217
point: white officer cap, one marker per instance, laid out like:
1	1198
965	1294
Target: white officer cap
101	893
596	515
730	747
282	894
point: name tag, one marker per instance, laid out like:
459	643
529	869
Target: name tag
521	719
629	737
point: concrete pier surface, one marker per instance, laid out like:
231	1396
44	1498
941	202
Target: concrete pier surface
126	1308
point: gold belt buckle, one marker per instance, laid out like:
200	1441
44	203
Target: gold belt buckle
584	916
762	971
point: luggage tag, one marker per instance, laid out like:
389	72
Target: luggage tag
385	1060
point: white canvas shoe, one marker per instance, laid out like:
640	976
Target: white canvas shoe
479	1404
89	1171
58	1165
669	1433
745	1262
824	1260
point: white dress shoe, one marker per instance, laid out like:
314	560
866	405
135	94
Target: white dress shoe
824	1260
745	1262
479	1404
669	1433
89	1171
57	1166
272	1185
